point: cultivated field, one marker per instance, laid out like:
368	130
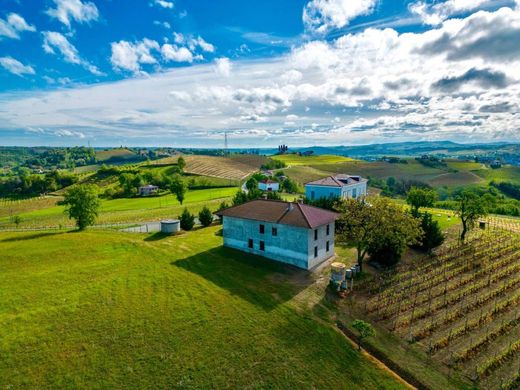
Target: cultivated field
223	167
105	155
459	306
112	310
294	159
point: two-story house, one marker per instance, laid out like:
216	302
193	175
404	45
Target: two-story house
340	186
288	232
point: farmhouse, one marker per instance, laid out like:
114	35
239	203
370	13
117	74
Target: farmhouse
148	190
268	185
340	186
291	233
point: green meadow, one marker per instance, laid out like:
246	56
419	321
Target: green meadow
294	159
102	309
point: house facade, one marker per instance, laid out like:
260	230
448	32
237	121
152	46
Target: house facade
148	190
292	233
268	185
340	186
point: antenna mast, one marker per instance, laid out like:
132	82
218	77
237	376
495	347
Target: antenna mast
226	152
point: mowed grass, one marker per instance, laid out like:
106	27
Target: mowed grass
114	310
294	159
126	210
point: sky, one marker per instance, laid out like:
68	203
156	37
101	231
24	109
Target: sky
183	73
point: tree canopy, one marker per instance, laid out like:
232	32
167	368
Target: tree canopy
82	204
470	208
420	197
178	188
364	330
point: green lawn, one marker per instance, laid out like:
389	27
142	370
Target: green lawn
294	159
129	209
114	310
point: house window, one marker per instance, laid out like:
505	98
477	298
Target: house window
262	229
328	230
262	246
315	234
315	251
312	194
250	243
328	246
275	232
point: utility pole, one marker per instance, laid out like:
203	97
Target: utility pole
226	152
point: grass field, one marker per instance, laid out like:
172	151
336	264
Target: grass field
105	155
294	159
113	310
45	212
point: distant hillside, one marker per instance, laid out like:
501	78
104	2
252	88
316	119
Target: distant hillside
117	155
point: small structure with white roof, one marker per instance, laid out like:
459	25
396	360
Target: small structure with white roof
268	185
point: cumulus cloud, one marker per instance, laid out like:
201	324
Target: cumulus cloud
57	43
67	11
223	66
15	67
13	25
175	53
130	55
323	15
163	4
435	14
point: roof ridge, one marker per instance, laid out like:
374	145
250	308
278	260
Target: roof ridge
304	215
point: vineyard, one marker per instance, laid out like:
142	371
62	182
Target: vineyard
460	305
218	167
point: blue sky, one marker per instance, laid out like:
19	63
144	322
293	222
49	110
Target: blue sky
327	72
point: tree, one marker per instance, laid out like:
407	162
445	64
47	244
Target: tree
187	220
17	220
178	188
364	330
433	236
470	208
221	207
240	198
373	225
82	204
420	197
251	184
205	216
181	163
290	186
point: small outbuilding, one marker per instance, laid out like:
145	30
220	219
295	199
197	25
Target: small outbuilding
170	226
268	185
148	190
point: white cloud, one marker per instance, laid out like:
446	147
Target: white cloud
14	24
129	56
223	66
323	15
15	66
69	10
435	14
55	41
176	54
454	82
162	24
163	3
68	133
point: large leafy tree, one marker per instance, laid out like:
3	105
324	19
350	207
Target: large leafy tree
420	197
82	204
376	225
178	188
470	208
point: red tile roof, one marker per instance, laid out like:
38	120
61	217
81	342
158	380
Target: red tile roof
286	213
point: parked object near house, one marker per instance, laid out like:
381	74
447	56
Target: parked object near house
148	190
340	186
268	185
288	232
169	226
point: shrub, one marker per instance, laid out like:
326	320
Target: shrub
432	236
205	216
187	220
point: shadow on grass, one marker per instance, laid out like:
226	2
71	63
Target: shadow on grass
31	236
258	280
158	236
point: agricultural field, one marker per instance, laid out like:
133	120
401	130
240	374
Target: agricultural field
101	309
222	167
295	160
45	212
457	308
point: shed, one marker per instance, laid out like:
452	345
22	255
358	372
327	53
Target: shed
169	226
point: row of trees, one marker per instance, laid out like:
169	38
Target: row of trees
26	183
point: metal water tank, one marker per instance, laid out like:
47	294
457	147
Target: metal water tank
169	226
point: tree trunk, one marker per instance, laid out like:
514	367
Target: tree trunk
464	231
360	259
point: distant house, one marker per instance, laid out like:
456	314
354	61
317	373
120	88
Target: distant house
291	233
148	190
340	186
268	185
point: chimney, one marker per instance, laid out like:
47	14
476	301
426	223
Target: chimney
290	206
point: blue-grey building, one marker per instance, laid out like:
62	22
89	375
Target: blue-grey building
288	232
340	186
